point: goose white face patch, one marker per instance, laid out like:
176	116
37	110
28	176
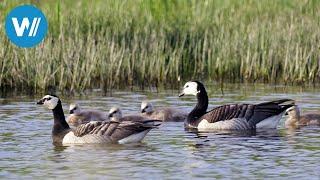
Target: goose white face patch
190	88
115	113
75	108
293	112
50	101
146	107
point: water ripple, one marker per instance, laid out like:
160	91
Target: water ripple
166	153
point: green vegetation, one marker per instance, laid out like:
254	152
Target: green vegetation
110	43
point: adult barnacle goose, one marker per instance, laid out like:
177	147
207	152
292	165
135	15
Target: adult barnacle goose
295	119
232	116
164	114
94	132
78	116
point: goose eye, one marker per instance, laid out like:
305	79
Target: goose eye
187	86
49	98
147	106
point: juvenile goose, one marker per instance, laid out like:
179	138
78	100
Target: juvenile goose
233	116
295	119
94	132
78	116
115	114
164	114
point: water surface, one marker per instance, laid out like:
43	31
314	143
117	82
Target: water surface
166	153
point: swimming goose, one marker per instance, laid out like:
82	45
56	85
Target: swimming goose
164	114
295	119
78	116
94	132
233	116
115	114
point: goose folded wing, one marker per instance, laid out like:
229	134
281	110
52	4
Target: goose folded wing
91	128
253	113
126	129
268	109
112	129
228	112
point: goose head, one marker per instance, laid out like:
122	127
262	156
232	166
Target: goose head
293	112
146	107
74	108
115	114
197	89
49	101
192	88
293	116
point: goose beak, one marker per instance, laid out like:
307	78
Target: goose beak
40	102
181	94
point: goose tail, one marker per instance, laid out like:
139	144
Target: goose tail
276	106
268	114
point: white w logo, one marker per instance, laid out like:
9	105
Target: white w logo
25	24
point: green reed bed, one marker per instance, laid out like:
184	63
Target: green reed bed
110	43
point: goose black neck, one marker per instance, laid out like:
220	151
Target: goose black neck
202	104
60	123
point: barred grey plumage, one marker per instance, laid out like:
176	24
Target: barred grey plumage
94	132
230	116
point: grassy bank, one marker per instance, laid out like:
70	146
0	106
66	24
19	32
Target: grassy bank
106	44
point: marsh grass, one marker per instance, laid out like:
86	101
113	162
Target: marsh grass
113	44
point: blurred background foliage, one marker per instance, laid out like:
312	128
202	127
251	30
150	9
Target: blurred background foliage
115	44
